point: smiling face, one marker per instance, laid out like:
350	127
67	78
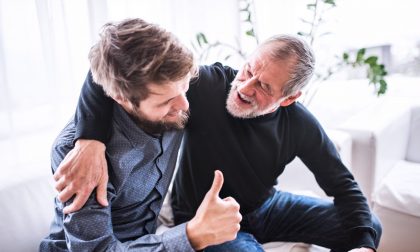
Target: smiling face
257	88
165	108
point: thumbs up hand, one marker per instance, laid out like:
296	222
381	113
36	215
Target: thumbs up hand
216	220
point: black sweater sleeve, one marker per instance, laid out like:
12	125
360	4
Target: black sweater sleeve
93	113
94	109
318	153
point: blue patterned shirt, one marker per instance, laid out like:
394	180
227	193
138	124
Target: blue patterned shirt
140	170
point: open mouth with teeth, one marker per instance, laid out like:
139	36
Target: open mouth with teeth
244	99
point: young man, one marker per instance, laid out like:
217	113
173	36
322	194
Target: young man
146	72
248	125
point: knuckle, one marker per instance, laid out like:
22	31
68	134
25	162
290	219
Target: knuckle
77	204
64	178
60	197
70	187
234	207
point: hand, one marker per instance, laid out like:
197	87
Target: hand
216	220
83	169
362	250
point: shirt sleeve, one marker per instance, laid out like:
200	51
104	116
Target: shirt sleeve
90	228
319	154
93	113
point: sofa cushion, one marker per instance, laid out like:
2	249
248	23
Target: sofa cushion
400	189
27	210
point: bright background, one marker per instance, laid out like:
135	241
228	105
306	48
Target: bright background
44	46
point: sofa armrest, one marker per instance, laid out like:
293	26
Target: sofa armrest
379	137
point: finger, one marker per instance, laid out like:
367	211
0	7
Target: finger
217	184
57	174
229	199
78	202
66	194
60	184
101	191
63	166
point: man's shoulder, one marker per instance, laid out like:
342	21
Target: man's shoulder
215	72
301	118
212	81
299	112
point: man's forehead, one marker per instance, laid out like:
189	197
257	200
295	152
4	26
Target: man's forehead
260	59
167	88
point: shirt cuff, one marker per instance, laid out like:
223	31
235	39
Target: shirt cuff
175	239
86	130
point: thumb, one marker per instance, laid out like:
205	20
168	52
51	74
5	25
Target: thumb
217	184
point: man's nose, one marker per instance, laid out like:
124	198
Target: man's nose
248	87
182	103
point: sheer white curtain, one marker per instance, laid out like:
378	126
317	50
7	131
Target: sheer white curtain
43	61
43	48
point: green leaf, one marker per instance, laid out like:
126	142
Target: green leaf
250	33
227	57
310	6
383	86
372	60
330	2
201	39
303	34
345	56
360	55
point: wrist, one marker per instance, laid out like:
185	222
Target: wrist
196	240
83	143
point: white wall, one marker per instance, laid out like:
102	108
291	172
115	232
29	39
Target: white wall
44	46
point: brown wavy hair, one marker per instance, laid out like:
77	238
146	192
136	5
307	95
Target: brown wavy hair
133	53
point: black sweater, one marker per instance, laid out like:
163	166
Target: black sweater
251	153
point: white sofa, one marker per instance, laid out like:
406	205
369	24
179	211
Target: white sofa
374	132
396	200
26	211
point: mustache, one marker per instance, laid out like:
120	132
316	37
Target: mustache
182	119
247	98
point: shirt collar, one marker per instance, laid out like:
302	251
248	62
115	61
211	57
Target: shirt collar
135	135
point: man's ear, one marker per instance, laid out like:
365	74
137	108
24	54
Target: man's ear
290	99
122	101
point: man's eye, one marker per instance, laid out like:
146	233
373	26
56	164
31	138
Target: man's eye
265	87
248	73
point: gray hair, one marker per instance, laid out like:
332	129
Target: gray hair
287	47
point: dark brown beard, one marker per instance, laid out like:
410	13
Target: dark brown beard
158	127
